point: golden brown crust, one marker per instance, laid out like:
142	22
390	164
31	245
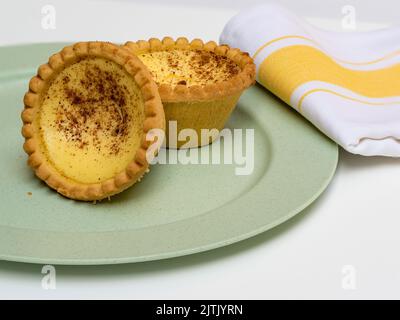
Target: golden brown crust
154	118
212	91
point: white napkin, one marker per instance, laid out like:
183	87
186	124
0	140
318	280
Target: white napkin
346	84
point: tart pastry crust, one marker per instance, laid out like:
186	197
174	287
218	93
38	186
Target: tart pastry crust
153	118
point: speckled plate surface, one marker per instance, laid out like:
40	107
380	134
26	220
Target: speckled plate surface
177	209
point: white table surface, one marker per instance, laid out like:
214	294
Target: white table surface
355	222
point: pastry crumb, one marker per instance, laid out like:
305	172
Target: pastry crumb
29	193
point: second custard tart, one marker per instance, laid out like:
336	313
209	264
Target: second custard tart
199	83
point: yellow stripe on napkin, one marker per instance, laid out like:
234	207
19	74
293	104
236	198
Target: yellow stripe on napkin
312	41
286	69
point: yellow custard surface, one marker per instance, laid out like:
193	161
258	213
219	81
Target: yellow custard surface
91	120
188	67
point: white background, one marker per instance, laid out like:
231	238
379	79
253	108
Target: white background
355	222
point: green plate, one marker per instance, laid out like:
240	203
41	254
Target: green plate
177	209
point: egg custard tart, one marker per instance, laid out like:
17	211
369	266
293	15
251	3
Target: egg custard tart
199	83
85	120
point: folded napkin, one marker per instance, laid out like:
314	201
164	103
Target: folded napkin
346	84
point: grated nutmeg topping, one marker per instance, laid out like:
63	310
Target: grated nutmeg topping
189	67
93	108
